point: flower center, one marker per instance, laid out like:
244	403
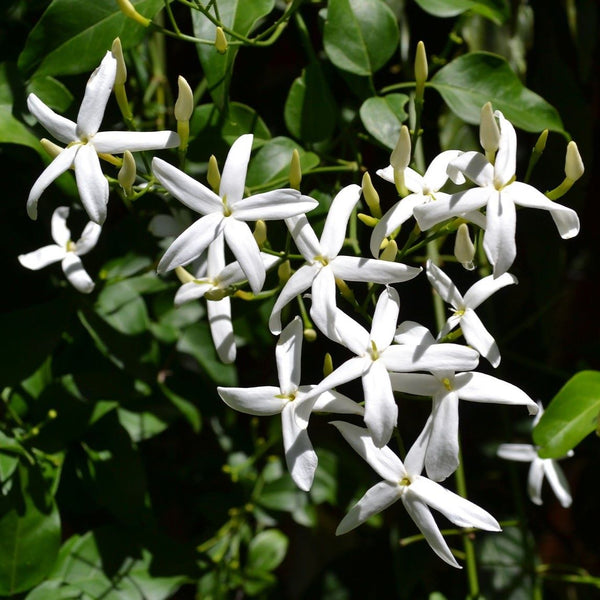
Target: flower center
374	352
322	259
226	209
291	396
405	481
71	247
447	383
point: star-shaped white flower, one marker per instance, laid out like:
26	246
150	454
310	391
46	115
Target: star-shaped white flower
290	399
418	494
464	307
539	468
376	356
446	388
324	265
212	281
499	193
226	212
84	142
65	251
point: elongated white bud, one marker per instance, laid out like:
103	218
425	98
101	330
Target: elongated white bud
489	132
574	168
464	250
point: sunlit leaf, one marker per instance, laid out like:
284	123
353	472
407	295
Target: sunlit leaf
383	117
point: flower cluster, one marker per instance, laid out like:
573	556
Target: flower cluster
389	357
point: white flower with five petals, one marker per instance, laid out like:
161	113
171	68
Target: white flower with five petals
290	399
499	193
66	251
403	481
84	142
226	212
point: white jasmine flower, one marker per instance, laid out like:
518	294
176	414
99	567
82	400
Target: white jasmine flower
290	399
446	388
323	265
65	251
226	212
539	468
403	481
499	193
211	281
464	307
84	142
376	356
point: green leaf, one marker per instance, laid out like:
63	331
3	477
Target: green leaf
310	110
496	10
360	36
186	408
51	91
8	465
72	37
383	117
29	538
238	15
571	415
267	550
470	81
272	161
141	425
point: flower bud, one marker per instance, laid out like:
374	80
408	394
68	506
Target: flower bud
117	52
295	171
327	365
220	41
284	271
574	168
184	106
183	275
310	335
390	251
400	157
368	220
127	172
213	176
345	290
540	145
129	11
464	250
371	195
216	294
260	232
52	149
421	70
489	132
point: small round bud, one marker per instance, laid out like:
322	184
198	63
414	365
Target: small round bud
310	335
52	414
574	168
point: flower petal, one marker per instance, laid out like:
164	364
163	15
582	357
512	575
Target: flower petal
477	336
244	247
436	357
221	328
288	353
334	230
441	459
233	177
277	204
89	238
186	189
300	457
134	141
91	183
381	410
323	310
62	129
558	482
58	226
499	237
518	452
191	291
304	236
260	401
443	286
475	166
419	384
484	288
352	369
356	268
411	332
97	92
385	318
459	204
76	274
505	164
57	167
192	242
535	478
334	402
351	334
437	172
38	259
375	500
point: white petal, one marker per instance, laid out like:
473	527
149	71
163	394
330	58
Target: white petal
414	461
484	288
58	226
456	205
334	230
421	515
381	410
438	357
393	218
334	402
91	183
411	332
356	268
352	369
57	167
215	260
191	291
376	499
192	242
116	142
278	204
304	236
506	158
351	334
76	274
518	452
38	259
260	401
437	172
419	384
476	167
499	237
244	247
89	238
385	318
186	189
382	460
300	457
221	328
441	459
477	336
565	218
443	286
535	478
480	387
233	177
323	309
299	282
558	482
97	92
288	353
62	129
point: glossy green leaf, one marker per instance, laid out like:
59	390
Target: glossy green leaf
185	407
72	36
8	465
360	36
51	91
470	81
272	161
496	10
383	117
571	415
238	15
267	550
141	425
310	111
